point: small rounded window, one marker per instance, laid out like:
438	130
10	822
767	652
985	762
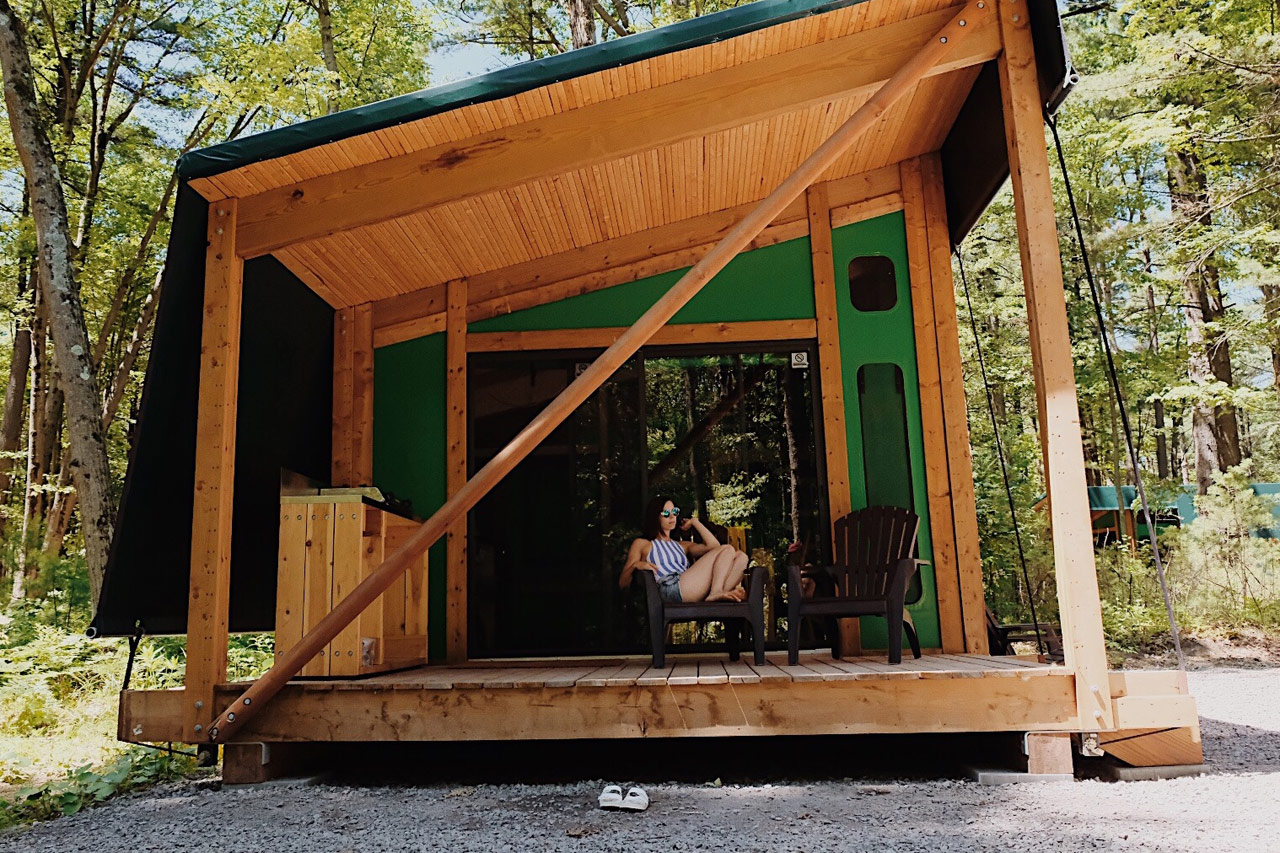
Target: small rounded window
872	284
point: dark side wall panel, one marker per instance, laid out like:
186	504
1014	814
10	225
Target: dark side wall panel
286	357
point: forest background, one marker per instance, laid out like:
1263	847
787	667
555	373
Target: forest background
1172	142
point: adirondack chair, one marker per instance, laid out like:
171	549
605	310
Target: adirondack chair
875	560
735	615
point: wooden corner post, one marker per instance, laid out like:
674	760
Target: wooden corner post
456	467
209	596
1078	601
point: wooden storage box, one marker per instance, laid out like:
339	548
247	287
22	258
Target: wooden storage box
328	545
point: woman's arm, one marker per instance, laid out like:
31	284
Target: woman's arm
637	560
709	541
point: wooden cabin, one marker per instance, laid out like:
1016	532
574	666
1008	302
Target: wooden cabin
437	296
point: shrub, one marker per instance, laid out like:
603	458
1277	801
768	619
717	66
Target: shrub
1221	571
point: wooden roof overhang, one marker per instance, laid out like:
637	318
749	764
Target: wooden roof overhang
527	183
517	176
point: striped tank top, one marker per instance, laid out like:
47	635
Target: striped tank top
669	557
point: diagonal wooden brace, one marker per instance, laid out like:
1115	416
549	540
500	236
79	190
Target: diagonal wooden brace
936	51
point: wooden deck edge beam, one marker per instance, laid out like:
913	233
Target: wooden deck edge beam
620	261
888	705
942	45
579	138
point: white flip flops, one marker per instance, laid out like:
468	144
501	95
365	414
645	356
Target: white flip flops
611	798
636	800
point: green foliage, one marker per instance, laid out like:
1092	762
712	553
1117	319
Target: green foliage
1223	571
85	785
735	502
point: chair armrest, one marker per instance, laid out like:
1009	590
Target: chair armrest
650	586
755	583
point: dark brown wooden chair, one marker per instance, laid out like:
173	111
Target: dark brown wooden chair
875	560
735	615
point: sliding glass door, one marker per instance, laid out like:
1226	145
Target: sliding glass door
724	431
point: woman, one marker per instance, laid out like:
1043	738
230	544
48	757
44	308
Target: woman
685	571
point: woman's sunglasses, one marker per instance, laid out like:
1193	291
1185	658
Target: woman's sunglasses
667	513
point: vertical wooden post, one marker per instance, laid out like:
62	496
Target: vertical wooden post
964	505
362	396
352	455
1078	602
209	597
341	471
831	378
933	424
456	466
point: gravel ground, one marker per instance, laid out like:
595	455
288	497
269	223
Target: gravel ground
1234	808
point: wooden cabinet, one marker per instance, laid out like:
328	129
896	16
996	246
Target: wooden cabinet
328	545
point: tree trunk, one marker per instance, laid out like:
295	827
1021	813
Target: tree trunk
582	24
793	453
1162	441
329	52
89	465
15	393
1271	313
1214	428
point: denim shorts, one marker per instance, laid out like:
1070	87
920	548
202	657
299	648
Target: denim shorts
669	588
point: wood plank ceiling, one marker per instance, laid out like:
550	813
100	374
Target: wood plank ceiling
599	201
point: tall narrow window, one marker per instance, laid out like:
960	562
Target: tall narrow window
886	452
872	285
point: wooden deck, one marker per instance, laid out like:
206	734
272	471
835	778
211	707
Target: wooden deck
694	670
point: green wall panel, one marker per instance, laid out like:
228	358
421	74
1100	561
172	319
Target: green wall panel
773	283
409	448
881	338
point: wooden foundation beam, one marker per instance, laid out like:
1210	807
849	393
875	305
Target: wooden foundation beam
1049	753
1078	601
937	50
1155	747
210	583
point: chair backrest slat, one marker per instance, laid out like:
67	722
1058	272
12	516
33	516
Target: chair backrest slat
869	543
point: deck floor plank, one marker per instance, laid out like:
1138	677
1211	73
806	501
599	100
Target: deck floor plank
712	672
740	673
627	676
685	672
655	676
816	665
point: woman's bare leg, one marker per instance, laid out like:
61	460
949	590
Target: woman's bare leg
723	581
696	581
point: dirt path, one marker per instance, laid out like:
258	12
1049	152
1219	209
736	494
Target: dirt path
1232	809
